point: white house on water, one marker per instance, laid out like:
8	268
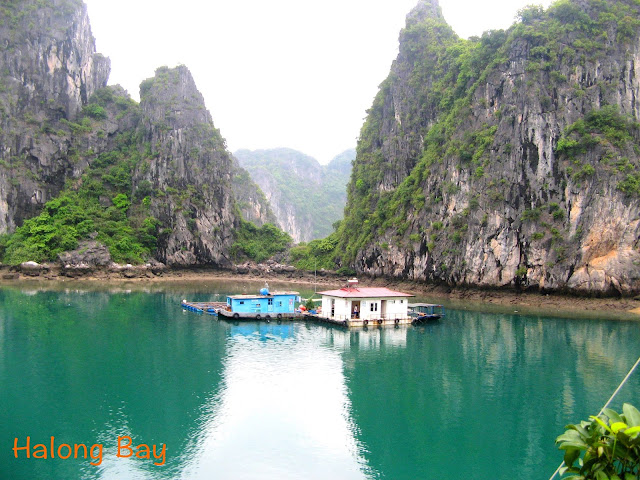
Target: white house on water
354	304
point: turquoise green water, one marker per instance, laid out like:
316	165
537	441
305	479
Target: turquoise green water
475	396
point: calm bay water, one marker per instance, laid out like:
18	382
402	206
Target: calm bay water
475	396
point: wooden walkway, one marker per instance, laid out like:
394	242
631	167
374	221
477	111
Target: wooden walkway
211	308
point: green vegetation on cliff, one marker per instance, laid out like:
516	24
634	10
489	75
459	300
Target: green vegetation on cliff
98	204
611	136
316	254
258	243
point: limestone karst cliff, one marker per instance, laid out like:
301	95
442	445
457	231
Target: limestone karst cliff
81	160
48	70
190	165
506	160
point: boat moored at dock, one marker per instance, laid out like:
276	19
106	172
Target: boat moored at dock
425	312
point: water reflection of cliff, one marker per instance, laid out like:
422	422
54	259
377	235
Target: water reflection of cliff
497	388
282	410
88	367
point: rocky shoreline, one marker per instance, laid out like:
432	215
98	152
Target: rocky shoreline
501	300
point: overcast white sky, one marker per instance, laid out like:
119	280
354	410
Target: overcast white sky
276	73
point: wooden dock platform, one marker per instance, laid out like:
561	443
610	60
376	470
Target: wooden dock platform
356	322
211	308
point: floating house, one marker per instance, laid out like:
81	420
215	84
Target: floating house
265	305
350	306
272	303
354	306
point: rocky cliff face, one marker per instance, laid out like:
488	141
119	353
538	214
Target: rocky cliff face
191	166
48	70
510	159
306	197
153	178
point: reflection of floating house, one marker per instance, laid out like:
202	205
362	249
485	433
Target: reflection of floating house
361	306
364	339
262	331
266	305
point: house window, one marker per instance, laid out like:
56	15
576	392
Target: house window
279	304
241	302
374	307
270	301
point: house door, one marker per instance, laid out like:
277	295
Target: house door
355	309
383	308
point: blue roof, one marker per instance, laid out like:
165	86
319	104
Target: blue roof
272	294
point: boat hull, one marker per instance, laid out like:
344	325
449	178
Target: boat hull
426	319
267	317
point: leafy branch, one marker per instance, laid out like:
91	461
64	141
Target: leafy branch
610	444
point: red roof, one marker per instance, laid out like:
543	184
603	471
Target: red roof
376	292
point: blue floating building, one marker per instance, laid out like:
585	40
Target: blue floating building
265	305
276	302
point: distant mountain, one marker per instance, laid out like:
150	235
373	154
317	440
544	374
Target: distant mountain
250	199
306	197
341	164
